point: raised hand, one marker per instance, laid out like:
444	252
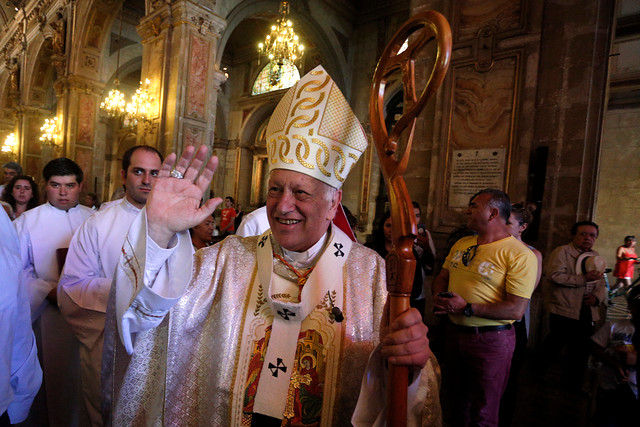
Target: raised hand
174	204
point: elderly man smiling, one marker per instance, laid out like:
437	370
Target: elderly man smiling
266	330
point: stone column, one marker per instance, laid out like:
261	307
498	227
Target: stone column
78	104
179	41
34	154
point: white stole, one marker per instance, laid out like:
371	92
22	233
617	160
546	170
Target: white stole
322	291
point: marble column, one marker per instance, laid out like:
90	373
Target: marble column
78	107
179	41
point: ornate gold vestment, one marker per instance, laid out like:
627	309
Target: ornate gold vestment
186	372
201	365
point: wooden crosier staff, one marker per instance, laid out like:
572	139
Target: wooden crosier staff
400	261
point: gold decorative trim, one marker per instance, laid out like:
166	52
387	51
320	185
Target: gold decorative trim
271	149
309	122
322	165
319	86
307	150
285	146
335	163
291	123
313	104
238	349
236	185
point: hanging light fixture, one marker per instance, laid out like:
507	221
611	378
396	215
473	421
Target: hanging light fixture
49	131
281	44
139	109
10	144
114	105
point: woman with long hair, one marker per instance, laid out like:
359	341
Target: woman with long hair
21	193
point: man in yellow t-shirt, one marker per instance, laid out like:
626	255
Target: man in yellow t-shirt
484	286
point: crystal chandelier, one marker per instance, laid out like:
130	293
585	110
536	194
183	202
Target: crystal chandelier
139	109
49	132
282	43
114	105
10	144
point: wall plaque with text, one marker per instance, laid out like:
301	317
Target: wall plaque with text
474	170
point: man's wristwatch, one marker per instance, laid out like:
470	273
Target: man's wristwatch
468	311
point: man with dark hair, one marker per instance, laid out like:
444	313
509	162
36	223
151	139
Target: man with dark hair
126	158
577	290
484	286
42	231
62	167
10	169
93	254
574	227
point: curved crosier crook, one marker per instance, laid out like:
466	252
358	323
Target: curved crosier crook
400	261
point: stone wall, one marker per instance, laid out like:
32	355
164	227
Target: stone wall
618	202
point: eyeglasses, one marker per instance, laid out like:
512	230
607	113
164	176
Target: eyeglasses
468	255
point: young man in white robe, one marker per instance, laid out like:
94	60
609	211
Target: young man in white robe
84	285
266	330
42	231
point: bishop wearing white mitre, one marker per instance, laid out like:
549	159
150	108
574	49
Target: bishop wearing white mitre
274	329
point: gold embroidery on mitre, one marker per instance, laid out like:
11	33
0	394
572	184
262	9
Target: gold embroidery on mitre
317	108
308	122
322	164
302	158
284	146
294	123
313	103
318	86
271	149
342	161
295	119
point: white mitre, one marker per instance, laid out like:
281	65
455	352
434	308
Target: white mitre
314	131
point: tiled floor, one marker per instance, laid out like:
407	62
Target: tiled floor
545	402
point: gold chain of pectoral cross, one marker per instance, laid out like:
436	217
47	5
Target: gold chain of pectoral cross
302	277
296	380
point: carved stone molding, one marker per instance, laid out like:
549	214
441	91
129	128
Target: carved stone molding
219	78
207	24
176	13
60	63
88	86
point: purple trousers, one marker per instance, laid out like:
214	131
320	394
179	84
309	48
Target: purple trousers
474	375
